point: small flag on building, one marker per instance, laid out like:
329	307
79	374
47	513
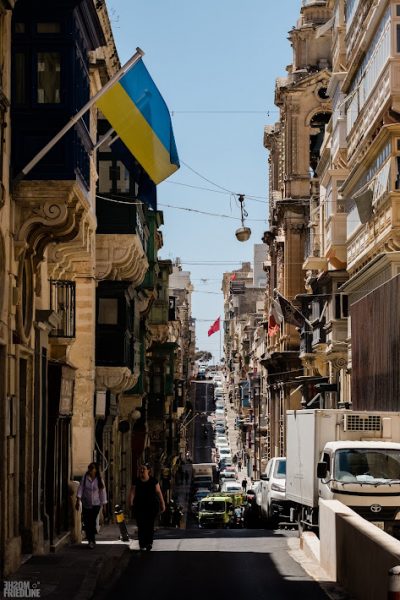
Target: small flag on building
290	313
214	327
233	276
275	318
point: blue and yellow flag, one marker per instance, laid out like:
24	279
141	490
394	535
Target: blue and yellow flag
136	110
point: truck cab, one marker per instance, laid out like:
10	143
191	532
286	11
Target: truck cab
215	511
366	477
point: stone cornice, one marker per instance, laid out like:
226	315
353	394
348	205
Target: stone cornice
120	258
159	333
48	211
115	379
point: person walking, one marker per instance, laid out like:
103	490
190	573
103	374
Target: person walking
240	465
244	484
146	499
92	494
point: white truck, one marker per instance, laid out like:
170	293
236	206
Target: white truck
353	457
204	475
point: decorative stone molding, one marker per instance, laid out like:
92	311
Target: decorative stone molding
115	379
159	333
62	258
120	257
47	212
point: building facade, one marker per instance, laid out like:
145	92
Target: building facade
84	300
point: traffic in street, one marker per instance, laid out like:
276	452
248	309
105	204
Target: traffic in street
223	547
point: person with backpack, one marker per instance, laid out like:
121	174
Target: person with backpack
92	494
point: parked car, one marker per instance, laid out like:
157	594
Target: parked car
227	476
221	439
273	500
220	404
231	486
225	462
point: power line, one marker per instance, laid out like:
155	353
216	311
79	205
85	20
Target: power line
197	187
209	214
217	185
223	112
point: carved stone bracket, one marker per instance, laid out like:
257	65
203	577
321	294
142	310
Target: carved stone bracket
159	333
62	257
121	257
115	379
47	212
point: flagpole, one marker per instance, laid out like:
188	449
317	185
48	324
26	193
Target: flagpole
114	79
220	354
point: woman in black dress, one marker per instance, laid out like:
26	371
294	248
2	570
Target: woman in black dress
147	500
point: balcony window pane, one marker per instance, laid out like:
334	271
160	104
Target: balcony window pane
62	301
19	27
48	77
108	311
48	27
105	182
397	38
20	78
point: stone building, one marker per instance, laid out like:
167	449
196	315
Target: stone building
80	280
243	315
353	273
294	145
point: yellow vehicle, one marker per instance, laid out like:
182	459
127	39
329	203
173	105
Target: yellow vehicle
216	510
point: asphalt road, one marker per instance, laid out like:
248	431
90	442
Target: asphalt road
204	404
241	564
222	564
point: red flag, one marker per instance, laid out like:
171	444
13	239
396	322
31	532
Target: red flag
233	276
275	318
214	327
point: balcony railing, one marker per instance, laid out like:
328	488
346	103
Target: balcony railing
62	301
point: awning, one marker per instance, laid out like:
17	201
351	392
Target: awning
364	203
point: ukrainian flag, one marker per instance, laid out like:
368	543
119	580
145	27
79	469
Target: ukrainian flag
138	113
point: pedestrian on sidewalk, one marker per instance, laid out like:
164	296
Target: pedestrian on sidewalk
244	484
147	500
240	465
92	494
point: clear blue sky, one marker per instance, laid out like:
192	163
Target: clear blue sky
213	55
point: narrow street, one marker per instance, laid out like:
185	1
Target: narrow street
198	563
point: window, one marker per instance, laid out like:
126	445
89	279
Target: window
108	311
48	77
351	8
48	28
397	10
19	27
369	71
341	306
62	301
20	78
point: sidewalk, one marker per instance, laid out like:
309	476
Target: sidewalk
75	572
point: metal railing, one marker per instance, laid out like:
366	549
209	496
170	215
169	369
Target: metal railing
62	301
